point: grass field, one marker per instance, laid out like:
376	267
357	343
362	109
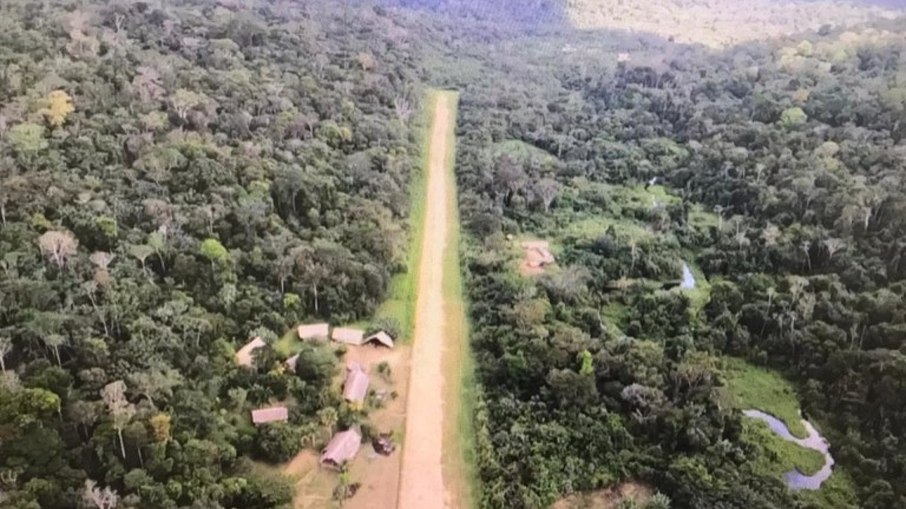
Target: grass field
750	386
459	368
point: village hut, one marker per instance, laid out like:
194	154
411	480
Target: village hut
355	388
244	355
380	338
349	336
313	332
291	363
341	448
272	414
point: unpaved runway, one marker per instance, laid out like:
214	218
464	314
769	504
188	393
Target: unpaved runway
422	481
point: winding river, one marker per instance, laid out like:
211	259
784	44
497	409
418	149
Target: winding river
795	479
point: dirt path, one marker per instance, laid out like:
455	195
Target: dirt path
422	484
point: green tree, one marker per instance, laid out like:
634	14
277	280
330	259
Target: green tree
27	138
214	251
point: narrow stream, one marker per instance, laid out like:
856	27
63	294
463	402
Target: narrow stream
795	479
688	278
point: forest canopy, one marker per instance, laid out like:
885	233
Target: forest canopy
176	178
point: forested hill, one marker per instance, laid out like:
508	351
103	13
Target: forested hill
175	178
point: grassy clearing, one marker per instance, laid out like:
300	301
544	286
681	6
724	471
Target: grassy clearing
400	302
460	463
750	386
838	492
522	151
593	227
777	455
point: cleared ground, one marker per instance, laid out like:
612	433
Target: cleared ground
423	482
377	475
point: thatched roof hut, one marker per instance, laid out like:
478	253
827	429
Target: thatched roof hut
348	336
272	414
313	331
355	388
341	448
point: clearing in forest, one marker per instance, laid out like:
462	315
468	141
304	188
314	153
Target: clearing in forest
750	386
635	494
430	475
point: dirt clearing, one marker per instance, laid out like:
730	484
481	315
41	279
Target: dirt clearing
378	475
422	483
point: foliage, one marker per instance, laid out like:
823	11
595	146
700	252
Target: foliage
170	177
752	387
774	171
59	106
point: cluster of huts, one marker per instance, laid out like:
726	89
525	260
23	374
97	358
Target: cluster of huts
344	445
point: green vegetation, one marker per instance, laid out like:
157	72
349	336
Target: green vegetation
759	161
838	492
175	179
459	434
750	386
777	456
401	295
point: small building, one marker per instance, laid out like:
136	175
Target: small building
244	355
623	57
380	338
291	363
355	388
342	448
349	336
314	331
272	414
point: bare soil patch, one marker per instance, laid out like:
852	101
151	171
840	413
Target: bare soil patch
536	255
378	475
422	484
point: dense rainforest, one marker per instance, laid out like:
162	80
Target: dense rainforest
775	170
176	178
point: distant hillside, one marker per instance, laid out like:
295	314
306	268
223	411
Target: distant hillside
720	23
